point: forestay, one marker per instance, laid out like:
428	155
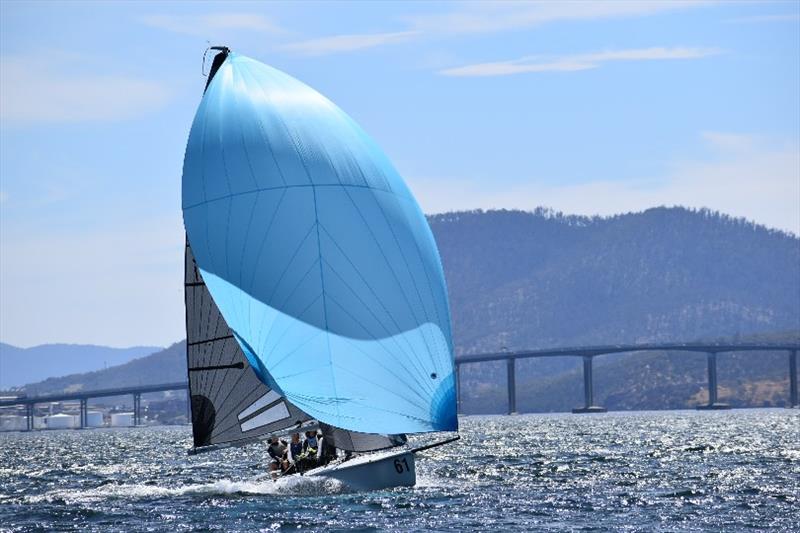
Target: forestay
317	255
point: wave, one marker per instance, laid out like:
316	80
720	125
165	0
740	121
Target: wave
292	486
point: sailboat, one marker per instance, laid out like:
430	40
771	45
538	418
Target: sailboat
315	295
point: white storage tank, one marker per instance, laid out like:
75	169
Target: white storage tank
122	419
13	423
62	421
39	422
94	419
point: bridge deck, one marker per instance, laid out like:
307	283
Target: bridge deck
85	395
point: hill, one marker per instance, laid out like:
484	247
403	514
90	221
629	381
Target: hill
165	366
19	366
543	279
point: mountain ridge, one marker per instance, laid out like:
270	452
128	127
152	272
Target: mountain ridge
21	366
541	279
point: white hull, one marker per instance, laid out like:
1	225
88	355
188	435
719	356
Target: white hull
374	471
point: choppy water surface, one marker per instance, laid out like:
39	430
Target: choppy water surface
619	471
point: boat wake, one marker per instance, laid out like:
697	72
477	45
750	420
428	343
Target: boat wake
294	486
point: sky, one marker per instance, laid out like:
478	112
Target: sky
587	108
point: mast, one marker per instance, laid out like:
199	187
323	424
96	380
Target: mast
219	59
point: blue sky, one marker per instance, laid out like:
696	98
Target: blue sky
590	108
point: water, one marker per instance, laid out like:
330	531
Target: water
679	470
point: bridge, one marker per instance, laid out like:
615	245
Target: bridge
85	396
588	353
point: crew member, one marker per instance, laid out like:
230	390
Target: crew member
277	452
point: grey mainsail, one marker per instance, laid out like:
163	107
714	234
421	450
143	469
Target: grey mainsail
230	405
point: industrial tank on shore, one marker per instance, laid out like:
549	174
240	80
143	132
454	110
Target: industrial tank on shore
62	421
122	419
13	423
94	419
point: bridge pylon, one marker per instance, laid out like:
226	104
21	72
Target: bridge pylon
588	390
793	400
713	404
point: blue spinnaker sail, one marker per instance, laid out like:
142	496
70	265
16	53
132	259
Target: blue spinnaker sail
317	255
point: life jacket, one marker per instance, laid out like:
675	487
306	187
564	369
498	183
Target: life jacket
310	446
296	448
328	450
276	450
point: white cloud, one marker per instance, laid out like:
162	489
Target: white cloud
39	89
347	43
787	17
483	17
577	62
741	176
211	25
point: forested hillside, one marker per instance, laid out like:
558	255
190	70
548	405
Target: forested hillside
537	280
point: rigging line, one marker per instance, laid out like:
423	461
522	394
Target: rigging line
421	372
415	359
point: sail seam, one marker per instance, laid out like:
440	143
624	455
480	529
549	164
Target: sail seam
391	269
388	314
264	338
372	358
324	306
294	186
408	269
